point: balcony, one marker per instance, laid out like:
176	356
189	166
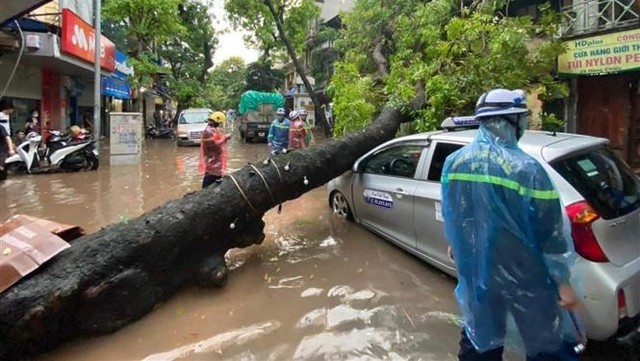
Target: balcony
591	16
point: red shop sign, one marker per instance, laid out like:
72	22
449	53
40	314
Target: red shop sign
78	39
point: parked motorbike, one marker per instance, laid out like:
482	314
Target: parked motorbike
61	152
153	132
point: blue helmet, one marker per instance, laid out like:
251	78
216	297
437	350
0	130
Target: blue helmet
501	102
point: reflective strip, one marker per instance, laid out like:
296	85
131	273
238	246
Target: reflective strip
507	183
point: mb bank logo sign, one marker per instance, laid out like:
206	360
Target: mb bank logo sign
380	199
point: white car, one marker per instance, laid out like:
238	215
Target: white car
191	123
394	191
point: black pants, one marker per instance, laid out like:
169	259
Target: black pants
209	179
3	158
469	353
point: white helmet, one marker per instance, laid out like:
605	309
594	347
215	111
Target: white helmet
501	102
280	111
294	114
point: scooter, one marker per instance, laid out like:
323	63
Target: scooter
155	133
60	153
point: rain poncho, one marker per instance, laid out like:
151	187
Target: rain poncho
213	152
504	222
297	134
279	135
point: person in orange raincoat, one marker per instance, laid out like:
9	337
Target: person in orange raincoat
213	150
297	131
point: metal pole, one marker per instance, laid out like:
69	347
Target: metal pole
96	76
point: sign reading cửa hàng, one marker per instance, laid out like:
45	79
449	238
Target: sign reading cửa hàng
603	54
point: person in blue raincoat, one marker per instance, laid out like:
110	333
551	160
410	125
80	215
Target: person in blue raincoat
278	138
503	221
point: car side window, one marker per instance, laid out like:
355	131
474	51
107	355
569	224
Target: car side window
400	161
440	154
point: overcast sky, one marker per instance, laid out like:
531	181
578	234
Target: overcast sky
230	43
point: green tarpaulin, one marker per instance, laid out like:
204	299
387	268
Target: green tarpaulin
253	101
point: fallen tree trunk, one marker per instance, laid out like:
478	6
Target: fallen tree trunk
110	278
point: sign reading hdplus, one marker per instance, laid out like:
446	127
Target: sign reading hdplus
78	40
610	53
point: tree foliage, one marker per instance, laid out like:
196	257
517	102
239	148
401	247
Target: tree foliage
175	37
261	76
189	55
227	83
394	48
254	16
280	24
145	23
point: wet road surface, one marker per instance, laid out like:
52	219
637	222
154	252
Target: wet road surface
318	288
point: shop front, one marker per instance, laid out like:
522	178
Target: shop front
115	88
605	76
65	71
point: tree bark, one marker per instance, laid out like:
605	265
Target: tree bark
115	276
319	113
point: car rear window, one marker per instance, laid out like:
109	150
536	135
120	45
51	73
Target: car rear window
604	180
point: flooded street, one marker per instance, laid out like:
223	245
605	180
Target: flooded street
318	288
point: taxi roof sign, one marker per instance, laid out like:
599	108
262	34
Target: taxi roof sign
465	122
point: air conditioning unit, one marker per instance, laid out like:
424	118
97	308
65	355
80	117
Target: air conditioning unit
33	42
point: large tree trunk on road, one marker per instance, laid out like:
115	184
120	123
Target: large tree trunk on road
110	278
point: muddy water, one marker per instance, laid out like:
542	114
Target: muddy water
317	288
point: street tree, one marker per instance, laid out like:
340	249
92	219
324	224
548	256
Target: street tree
261	76
394	49
146	23
189	55
227	83
277	25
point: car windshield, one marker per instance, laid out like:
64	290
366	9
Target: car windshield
191	118
605	181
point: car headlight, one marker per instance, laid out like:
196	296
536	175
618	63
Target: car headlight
182	129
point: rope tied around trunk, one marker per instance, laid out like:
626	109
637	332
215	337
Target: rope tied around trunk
242	193
273	199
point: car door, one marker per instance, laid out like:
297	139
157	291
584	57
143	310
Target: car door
383	191
428	215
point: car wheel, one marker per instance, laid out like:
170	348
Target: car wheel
340	206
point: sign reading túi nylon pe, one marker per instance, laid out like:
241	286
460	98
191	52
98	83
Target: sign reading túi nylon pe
603	54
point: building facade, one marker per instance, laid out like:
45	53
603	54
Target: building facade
55	72
602	66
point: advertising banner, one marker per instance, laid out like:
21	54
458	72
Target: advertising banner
603	54
123	69
77	39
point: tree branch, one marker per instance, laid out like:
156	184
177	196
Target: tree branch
379	58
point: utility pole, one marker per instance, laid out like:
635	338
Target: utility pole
96	76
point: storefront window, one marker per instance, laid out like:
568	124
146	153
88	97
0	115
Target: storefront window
22	111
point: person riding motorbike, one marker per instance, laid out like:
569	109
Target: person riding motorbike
278	138
504	223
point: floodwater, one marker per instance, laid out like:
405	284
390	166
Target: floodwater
318	288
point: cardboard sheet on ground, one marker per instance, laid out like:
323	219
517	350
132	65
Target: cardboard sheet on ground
27	242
